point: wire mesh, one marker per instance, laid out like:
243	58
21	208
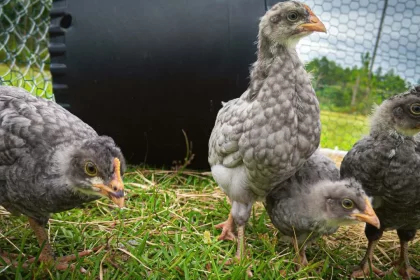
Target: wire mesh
24	56
371	51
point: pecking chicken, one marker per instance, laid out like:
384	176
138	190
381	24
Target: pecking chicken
51	161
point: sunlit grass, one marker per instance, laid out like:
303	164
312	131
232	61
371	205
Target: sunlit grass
168	232
338	129
30	78
342	130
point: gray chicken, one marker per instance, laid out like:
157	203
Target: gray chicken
51	161
261	138
387	163
313	202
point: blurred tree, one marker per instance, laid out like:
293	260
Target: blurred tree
353	89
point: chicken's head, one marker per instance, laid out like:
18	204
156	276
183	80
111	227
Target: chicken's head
287	22
96	169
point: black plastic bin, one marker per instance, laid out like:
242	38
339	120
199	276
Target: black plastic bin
143	71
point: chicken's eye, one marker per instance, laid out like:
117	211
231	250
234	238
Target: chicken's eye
415	108
90	169
292	16
347	203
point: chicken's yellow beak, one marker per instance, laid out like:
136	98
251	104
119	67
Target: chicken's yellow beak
314	23
115	189
368	216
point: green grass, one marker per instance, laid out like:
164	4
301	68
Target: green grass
342	130
338	129
168	232
30	78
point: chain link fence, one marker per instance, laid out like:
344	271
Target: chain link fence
24	56
371	51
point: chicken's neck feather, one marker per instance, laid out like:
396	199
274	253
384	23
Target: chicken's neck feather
277	68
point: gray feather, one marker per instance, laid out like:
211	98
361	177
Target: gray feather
387	162
261	138
290	205
298	206
40	143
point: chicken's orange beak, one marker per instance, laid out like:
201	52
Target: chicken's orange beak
115	189
368	216
314	23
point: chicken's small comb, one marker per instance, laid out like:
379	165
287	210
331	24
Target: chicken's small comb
117	168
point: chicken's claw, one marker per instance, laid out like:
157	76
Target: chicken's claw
227	229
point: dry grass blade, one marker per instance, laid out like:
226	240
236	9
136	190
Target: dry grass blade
101	267
134	257
13	244
170	213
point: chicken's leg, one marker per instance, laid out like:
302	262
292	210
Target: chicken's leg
7	258
240	215
46	256
240	251
227	229
47	253
300	258
365	267
403	265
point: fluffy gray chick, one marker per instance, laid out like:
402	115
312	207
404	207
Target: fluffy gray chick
313	202
261	138
51	161
387	164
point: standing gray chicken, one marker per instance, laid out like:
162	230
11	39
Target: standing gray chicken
261	138
51	161
387	164
313	202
